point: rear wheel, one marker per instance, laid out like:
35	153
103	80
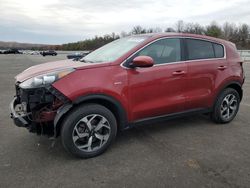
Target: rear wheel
226	106
88	130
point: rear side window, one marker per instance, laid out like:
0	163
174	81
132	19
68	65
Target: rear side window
199	49
218	50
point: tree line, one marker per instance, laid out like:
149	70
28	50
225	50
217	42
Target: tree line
238	34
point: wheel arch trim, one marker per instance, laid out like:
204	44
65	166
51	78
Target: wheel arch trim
121	112
234	83
226	85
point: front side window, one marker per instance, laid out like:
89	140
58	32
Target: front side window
199	49
163	51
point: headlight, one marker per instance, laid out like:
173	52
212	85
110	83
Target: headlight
45	79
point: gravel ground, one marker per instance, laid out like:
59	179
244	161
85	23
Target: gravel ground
185	152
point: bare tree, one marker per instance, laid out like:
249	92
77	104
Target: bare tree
150	30
138	30
154	30
115	36
240	35
229	31
157	30
124	34
193	28
198	29
180	26
243	34
170	29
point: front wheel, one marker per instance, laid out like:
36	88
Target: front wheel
88	130
226	106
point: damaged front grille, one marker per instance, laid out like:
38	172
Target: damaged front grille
41	105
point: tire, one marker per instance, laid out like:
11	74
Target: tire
88	130
223	112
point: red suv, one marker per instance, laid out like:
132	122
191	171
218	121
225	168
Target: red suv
128	81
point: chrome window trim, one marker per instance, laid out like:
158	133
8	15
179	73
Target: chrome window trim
184	61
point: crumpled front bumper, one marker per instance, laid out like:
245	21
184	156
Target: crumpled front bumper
19	120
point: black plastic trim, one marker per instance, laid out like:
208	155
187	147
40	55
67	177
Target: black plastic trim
231	83
123	120
170	116
60	113
57	93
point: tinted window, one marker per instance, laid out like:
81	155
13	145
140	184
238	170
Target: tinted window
199	49
218	50
163	51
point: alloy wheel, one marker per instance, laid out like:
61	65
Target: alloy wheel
91	132
228	106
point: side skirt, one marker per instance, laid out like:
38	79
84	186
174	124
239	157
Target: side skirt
166	117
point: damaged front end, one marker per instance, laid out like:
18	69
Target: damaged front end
36	108
36	101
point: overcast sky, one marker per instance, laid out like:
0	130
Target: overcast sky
61	21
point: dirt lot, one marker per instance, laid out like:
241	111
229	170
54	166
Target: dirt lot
185	152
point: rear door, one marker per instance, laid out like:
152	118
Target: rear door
205	64
160	89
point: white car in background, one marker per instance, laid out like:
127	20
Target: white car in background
34	53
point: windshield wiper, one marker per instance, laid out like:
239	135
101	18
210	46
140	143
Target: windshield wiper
83	60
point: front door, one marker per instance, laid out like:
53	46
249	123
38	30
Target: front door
160	89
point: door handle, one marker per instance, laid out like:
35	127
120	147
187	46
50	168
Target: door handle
222	67
178	72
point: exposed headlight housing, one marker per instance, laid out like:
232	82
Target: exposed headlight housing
45	79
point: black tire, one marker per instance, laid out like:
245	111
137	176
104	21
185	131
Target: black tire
72	120
217	115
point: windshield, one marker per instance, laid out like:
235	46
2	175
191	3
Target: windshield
114	50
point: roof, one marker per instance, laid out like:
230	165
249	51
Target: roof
170	34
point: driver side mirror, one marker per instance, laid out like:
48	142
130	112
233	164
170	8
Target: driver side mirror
142	61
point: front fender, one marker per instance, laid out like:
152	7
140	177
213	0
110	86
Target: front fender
120	110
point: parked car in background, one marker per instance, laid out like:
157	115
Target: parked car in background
49	52
126	82
78	55
12	51
34	53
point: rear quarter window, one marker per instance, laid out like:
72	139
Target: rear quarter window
218	50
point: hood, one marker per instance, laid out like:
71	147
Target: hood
49	67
